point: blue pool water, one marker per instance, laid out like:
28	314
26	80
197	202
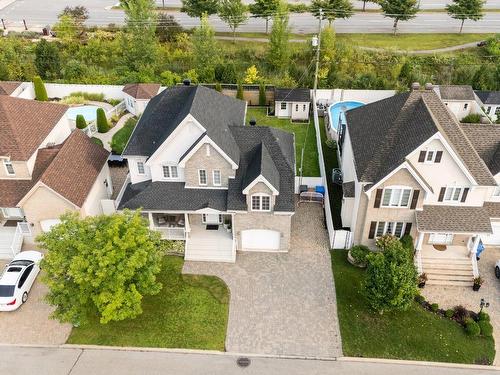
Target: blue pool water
88	111
337	114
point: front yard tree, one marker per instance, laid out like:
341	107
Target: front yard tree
399	10
332	9
278	55
205	50
391	277
233	12
264	9
47	59
197	8
101	265
465	10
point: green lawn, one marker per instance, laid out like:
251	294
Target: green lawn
415	334
120	139
311	163
189	312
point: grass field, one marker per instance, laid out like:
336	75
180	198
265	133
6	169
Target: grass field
189	312
416	334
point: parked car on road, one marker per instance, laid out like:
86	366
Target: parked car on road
17	279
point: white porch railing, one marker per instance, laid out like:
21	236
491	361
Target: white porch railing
22	229
418	261
171	233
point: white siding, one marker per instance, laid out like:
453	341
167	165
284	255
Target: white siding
92	205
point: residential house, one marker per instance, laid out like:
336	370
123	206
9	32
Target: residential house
292	103
490	101
460	100
11	88
138	95
410	167
200	175
47	170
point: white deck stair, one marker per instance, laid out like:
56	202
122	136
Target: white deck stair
7	235
448	271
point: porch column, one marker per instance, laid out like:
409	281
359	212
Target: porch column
475	244
151	222
187	227
420	241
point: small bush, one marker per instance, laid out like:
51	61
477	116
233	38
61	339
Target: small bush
218	87
434	307
40	91
419	298
96	97
483	315
74	100
407	242
97	141
486	328
113	102
239	91
359	253
474	118
472	328
449	313
80	122
102	121
461	314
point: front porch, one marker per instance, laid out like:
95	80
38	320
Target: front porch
13	228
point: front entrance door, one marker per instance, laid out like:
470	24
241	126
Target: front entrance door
211	219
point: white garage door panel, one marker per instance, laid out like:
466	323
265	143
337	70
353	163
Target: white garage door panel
493	239
260	239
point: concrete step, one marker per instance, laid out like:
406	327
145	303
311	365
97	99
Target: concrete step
446	260
445	266
449	272
450	283
450	277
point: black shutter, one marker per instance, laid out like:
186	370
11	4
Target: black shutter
421	157
407	229
441	194
439	155
373	226
414	199
464	195
378	198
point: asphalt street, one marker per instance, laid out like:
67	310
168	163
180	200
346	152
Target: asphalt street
39	13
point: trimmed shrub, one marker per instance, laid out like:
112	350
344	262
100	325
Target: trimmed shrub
102	121
40	91
419	298
218	87
407	242
262	95
486	328
239	91
359	253
474	118
472	328
434	307
461	314
449	313
80	122
74	100
483	315
96	97
97	141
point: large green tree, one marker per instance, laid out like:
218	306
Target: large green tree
391	276
100	265
79	14
205	50
47	59
233	12
264	9
197	8
140	46
399	10
332	9
278	55
465	10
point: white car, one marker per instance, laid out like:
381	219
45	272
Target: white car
497	269
17	279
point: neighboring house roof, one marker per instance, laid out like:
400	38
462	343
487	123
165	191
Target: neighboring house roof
279	155
383	133
348	189
493	209
8	87
292	95
489	97
24	124
70	169
486	140
262	164
456	92
453	219
141	90
213	110
153	196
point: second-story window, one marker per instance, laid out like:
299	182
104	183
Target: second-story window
396	197
170	171
9	168
261	202
202	177
453	194
217	177
140	167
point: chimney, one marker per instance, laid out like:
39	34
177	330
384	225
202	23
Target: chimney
429	86
253	122
415	86
186	82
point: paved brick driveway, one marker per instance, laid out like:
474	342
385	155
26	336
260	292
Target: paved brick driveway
30	324
282	304
448	297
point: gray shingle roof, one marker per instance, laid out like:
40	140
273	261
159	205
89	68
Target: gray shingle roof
454	219
161	195
489	97
214	111
348	189
486	140
383	133
262	164
292	95
455	92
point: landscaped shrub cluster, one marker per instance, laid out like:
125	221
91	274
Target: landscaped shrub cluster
95	97
473	118
359	253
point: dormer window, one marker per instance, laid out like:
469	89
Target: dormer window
140	167
9	168
430	156
261	202
170	171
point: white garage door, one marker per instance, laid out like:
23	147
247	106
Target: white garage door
260	239
493	239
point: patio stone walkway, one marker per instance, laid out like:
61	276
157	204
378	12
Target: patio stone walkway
282	304
448	297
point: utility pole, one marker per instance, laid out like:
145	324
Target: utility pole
318	48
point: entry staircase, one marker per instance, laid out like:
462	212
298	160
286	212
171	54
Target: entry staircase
448	271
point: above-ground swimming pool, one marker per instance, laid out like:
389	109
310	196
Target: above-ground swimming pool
336	113
88	111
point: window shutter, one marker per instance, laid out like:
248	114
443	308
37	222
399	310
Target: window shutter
373	226
414	199
439	155
378	198
421	157
407	229
441	194
464	195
